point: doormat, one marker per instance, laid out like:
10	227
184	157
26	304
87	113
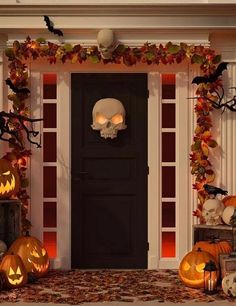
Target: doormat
78	286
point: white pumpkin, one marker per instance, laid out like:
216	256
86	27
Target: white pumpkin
227	214
229	284
3	249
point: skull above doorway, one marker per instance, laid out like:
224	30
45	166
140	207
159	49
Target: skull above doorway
108	117
107	43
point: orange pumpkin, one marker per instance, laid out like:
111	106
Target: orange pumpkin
32	253
229	200
15	272
9	179
214	247
191	269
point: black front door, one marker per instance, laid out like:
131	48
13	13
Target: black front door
109	176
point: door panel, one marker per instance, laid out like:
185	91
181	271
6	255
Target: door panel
109	176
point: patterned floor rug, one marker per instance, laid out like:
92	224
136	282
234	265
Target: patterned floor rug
76	286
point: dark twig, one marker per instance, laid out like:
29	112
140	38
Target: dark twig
6	130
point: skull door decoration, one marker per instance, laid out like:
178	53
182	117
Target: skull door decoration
108	117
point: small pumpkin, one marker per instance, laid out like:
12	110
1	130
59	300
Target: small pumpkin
214	247
191	269
3	249
227	214
15	272
9	179
32	253
3	246
229	200
2	280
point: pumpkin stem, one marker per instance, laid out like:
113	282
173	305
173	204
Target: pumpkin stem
27	234
199	249
213	239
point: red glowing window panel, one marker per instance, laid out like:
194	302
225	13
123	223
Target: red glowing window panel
50	243
168	214
49	146
49	115
168	244
49	86
168	86
168	147
49	182
168	182
50	214
168	115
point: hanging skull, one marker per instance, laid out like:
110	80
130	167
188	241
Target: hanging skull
229	284
212	211
108	117
107	43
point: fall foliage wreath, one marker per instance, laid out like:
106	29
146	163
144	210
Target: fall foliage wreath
151	54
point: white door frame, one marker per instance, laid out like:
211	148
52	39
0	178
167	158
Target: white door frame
63	159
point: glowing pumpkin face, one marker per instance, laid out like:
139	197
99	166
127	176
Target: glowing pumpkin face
191	269
9	179
16	275
32	253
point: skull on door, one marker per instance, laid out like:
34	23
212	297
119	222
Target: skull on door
107	43
108	117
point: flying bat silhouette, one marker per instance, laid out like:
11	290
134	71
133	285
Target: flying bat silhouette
15	89
214	190
51	28
212	77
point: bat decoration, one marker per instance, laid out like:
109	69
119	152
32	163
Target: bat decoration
212	77
23	90
51	28
12	135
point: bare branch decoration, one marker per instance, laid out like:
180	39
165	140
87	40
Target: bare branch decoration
11	135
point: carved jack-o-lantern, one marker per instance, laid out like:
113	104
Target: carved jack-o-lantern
9	179
32	253
15	272
191	269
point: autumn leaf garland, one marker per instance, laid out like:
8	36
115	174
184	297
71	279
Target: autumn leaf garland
149	54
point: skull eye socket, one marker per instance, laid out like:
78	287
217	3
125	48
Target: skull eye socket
6	173
186	266
211	210
200	267
118	118
101	119
34	253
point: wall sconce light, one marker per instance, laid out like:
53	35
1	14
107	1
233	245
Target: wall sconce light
210	278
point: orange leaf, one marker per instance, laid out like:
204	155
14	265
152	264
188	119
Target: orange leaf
204	148
210	176
206	135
